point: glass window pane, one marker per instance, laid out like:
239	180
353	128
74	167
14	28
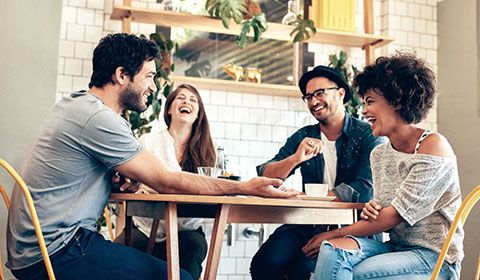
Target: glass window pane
206	55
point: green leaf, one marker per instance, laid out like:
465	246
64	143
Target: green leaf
226	22
304	27
167	90
232	9
343	58
298	37
256	33
170	45
156	108
334	61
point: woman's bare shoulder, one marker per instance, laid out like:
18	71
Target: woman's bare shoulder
436	144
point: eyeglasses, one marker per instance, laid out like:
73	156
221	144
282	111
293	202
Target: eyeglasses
317	93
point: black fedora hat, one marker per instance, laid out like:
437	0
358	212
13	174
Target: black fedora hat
329	73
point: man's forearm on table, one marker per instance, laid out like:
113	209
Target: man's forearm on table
280	169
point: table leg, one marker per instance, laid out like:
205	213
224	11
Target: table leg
120	220
171	223
216	242
128	230
153	236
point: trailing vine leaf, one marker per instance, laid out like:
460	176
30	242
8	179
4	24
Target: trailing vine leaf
242	39
304	29
245	12
227	10
257	23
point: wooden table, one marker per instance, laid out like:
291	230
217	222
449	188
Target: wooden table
225	209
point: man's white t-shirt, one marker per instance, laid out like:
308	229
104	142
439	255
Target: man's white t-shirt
330	158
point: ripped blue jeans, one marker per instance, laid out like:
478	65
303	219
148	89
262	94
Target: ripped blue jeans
378	260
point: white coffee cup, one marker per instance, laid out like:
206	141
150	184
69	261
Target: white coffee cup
316	189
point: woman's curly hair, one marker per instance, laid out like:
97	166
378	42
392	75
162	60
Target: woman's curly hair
405	82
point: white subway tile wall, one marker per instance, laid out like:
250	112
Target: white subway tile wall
251	127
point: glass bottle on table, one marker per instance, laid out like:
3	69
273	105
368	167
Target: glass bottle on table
221	162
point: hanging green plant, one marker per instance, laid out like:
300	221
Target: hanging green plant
304	29
258	24
247	13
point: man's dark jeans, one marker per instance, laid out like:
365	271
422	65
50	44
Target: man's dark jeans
281	255
89	256
192	248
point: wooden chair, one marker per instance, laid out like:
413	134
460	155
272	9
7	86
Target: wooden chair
461	216
38	230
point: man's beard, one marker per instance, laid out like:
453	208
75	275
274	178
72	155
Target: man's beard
327	118
132	100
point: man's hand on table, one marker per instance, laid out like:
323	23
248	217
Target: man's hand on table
266	187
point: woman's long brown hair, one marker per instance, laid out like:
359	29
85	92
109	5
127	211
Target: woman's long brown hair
200	150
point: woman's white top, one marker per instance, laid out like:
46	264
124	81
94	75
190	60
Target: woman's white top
161	144
425	191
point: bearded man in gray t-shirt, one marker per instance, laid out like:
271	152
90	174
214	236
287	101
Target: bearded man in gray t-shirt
72	160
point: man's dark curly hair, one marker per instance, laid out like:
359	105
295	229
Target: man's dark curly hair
405	82
120	50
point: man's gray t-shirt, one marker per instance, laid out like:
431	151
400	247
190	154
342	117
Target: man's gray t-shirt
68	171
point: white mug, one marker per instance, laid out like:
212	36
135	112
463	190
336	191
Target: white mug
316	189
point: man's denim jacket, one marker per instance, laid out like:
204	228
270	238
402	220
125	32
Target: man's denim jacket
354	176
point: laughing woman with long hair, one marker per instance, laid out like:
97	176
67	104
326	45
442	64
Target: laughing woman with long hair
184	145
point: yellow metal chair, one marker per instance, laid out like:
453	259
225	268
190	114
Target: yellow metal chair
461	216
33	214
7	204
106	213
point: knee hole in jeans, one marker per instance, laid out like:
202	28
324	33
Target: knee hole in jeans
333	247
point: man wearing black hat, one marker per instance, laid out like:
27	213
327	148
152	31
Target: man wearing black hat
335	151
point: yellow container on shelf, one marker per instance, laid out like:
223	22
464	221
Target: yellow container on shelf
334	14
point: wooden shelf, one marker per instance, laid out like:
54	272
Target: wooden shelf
243	87
275	31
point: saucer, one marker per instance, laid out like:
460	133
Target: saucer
313	197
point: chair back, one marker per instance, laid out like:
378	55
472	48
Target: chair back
7	204
36	224
461	216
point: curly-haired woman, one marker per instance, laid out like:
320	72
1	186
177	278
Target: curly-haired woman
416	185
